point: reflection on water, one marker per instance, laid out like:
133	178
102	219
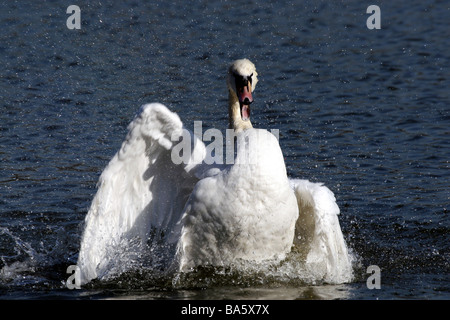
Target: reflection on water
326	292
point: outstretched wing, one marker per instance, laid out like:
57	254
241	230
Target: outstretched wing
141	191
318	233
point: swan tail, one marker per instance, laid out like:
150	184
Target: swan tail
318	233
140	194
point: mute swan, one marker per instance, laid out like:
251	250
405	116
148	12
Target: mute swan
209	214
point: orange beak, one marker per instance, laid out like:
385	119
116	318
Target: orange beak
245	99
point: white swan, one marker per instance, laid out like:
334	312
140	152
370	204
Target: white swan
209	214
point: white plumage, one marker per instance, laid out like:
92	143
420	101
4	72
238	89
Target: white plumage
247	211
203	214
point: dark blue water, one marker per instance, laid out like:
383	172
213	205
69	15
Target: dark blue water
367	112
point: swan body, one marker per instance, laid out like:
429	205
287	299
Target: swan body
247	211
199	214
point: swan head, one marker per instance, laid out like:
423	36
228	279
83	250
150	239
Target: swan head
241	81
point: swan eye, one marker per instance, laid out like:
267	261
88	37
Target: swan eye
240	81
249	78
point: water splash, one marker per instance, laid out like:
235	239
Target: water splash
37	264
145	266
26	258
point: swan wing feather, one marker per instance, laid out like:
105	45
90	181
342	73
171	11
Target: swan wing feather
140	191
318	232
